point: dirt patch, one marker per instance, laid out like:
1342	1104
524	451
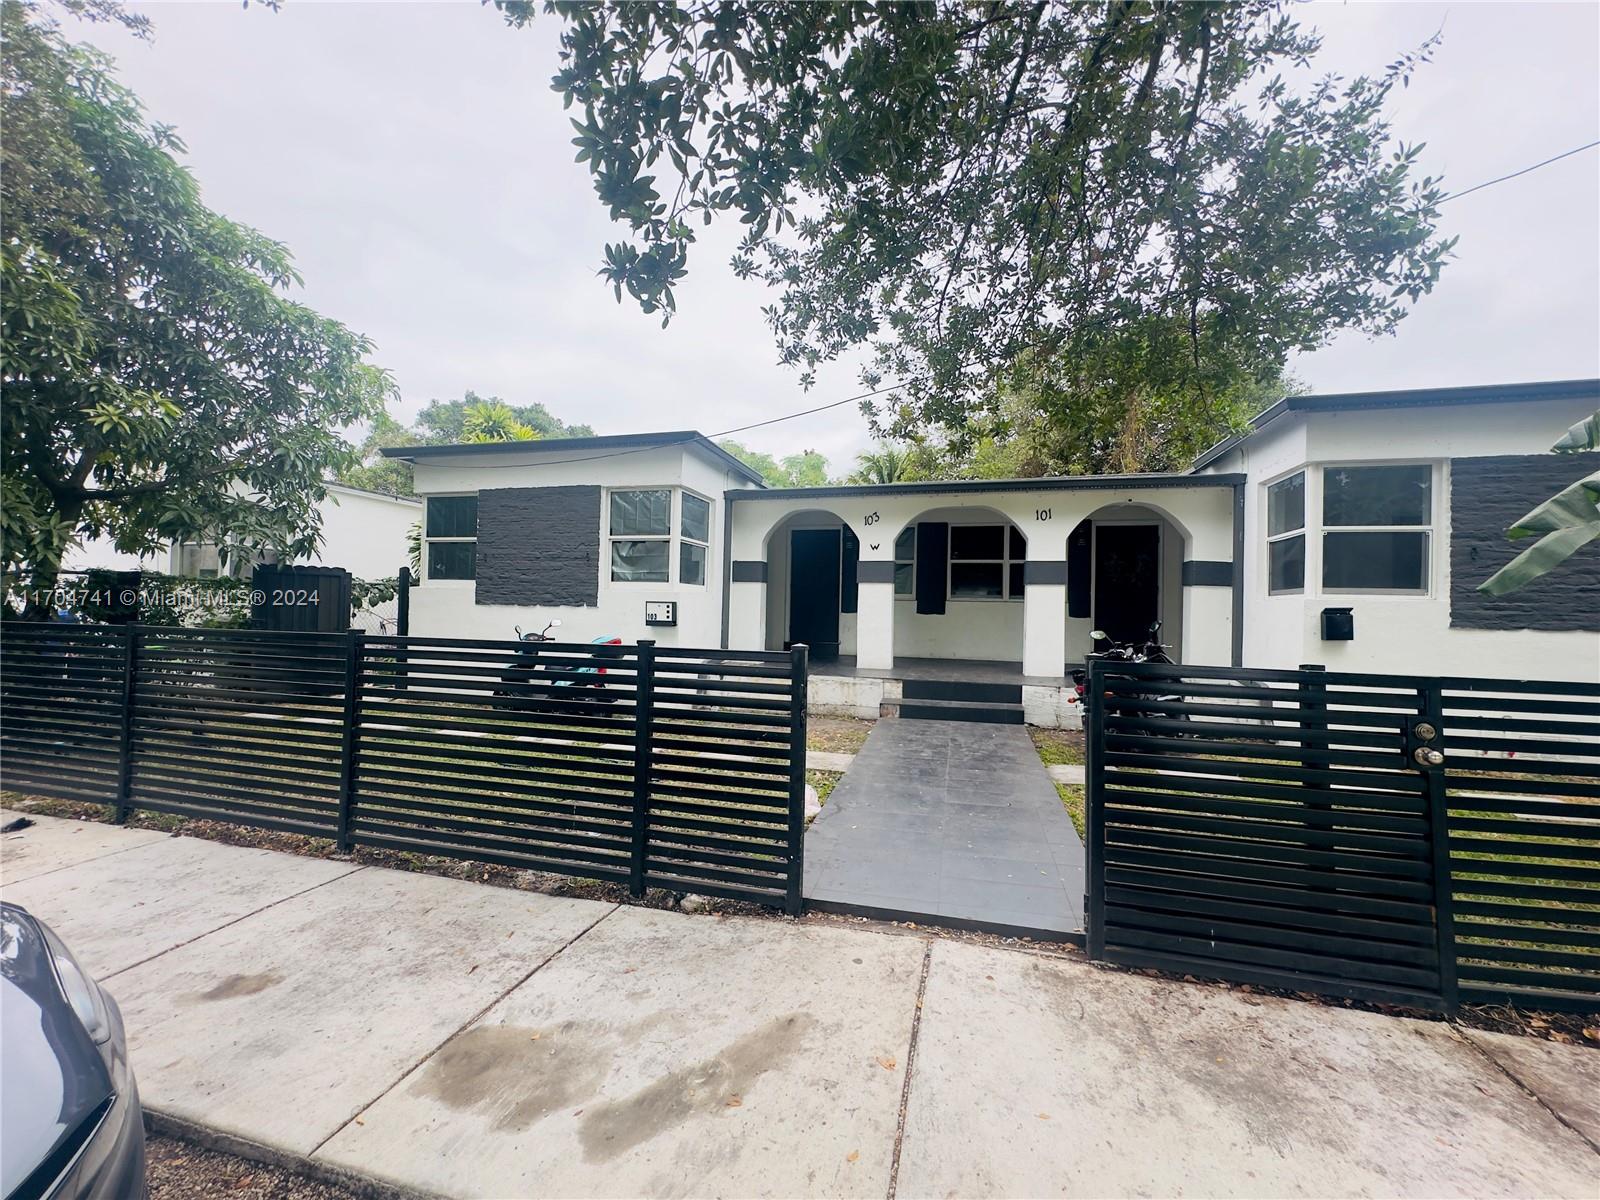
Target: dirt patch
241	985
520	1075
837	735
708	1087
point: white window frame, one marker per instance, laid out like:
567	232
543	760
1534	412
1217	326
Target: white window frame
1428	530
906	562
427	558
1303	531
683	539
674	537
1005	562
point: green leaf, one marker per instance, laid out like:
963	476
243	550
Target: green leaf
1540	558
1585	435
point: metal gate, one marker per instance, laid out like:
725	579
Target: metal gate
1410	840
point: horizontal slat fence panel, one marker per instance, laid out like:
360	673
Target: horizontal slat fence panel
239	726
61	705
646	766
1259	831
1409	839
1523	781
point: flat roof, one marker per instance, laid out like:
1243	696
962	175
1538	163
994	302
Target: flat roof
1488	393
1045	483
609	446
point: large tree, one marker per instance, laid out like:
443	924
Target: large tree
1125	187
157	382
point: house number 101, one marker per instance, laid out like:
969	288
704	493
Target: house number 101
1042	514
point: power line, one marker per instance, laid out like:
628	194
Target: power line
806	412
584	458
1491	182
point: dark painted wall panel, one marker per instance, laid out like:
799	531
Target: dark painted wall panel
539	546
1487	496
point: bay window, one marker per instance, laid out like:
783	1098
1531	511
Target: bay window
1377	522
1286	535
640	527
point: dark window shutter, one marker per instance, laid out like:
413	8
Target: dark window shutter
933	553
849	560
1079	543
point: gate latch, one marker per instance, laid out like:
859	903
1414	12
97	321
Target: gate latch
1427	756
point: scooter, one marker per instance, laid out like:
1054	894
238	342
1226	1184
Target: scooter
532	678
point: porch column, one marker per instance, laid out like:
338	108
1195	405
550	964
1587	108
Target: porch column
875	606
1044	618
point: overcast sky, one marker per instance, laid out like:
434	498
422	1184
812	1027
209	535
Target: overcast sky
415	161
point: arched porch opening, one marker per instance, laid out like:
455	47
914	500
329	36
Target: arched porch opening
959	583
1125	573
812	558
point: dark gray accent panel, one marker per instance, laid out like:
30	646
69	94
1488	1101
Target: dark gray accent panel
539	546
871	570
1041	571
1201	572
1487	496
748	570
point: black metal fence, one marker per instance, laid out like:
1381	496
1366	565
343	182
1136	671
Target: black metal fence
637	764
1410	840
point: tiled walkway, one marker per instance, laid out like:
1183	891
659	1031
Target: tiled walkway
949	822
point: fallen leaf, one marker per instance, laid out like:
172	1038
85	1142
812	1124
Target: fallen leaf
886	1062
1592	1033
1042	1116
359	1121
735	1101
852	1156
534	1038
474	968
1557	1036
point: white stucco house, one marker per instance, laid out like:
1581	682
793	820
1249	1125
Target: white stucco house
1347	530
362	531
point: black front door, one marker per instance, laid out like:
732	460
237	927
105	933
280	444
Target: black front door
1127	580
814	590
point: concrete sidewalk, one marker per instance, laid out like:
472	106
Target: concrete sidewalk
467	1040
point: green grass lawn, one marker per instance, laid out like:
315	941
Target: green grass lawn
1058	747
1072	800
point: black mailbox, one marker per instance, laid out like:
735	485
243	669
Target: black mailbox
1338	625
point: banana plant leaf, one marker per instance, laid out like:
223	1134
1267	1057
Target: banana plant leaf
1568	521
1585	435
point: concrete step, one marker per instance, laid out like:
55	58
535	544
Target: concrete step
962	690
959	710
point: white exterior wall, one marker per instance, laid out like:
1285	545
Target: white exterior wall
363	532
448	608
1398	634
1034	630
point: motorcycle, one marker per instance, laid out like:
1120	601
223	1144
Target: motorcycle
1151	650
532	678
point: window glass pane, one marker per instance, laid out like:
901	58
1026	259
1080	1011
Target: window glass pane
1016	579
905	546
641	512
1375	561
905	579
644	562
976	579
1019	544
1376	495
977	541
691	563
696	518
453	516
452	560
1286	504
1286	567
